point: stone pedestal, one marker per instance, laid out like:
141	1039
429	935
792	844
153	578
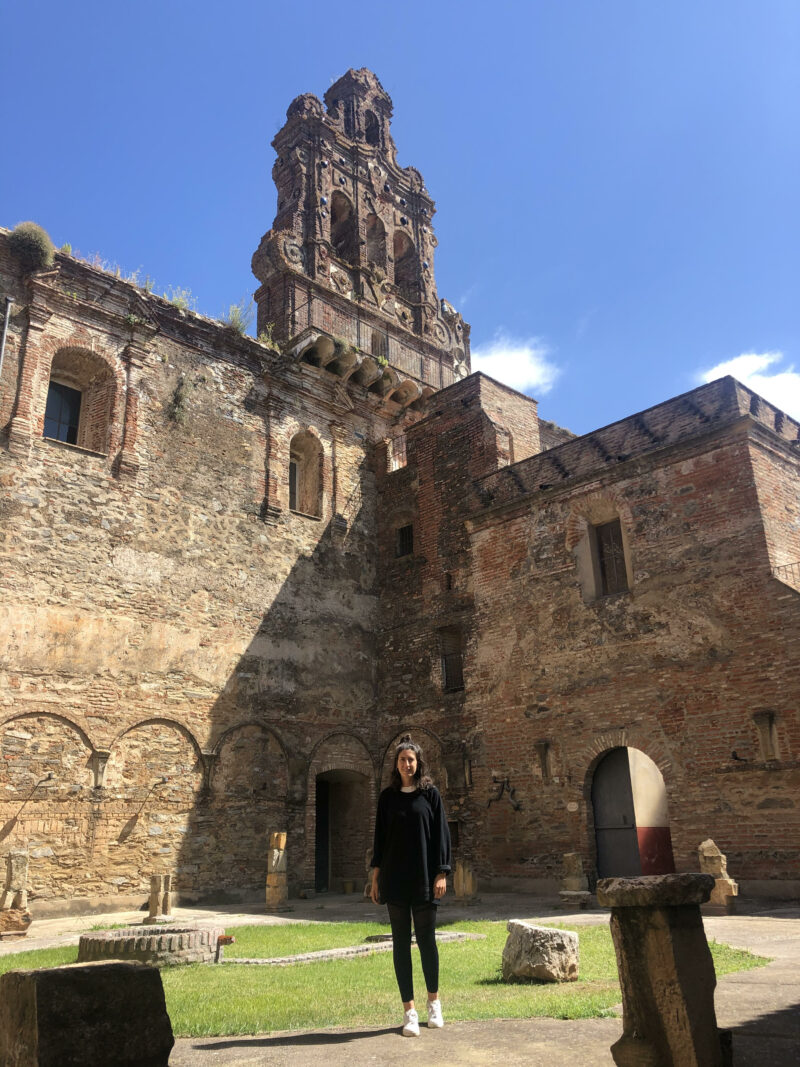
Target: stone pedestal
86	1013
666	971
723	896
160	896
277	880
465	884
574	892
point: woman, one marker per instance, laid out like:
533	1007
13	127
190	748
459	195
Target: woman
411	860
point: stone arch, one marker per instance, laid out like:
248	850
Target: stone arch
153	781
148	751
90	384
344	232
37	743
340	811
247	801
251	763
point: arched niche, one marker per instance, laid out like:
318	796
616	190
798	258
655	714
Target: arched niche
376	242
344	233
251	765
372	129
305	474
147	754
44	757
406	273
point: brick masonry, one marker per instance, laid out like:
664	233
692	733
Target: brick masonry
186	657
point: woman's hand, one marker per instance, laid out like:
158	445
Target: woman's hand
439	886
374	892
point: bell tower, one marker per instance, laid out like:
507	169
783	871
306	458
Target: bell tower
348	263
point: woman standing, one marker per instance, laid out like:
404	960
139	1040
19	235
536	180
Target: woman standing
411	860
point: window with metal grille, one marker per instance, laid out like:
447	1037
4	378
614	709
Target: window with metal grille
62	413
611	558
452	665
404	544
397	453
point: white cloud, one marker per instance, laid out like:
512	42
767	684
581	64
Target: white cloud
759	372
520	363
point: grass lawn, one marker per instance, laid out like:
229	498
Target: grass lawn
205	1000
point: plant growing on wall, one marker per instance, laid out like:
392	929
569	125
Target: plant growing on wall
239	316
180	298
178	405
267	337
32	246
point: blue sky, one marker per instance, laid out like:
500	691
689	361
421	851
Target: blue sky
616	181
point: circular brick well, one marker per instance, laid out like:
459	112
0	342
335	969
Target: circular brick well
162	946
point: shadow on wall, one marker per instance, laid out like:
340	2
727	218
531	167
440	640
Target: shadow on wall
196	793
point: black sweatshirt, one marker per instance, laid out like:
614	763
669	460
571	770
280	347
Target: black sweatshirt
412	844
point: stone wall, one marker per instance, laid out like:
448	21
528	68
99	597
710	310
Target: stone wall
170	618
676	666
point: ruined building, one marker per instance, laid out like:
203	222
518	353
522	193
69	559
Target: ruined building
235	571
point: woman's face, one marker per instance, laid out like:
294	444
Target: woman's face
407	765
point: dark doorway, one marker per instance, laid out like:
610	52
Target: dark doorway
344	822
322	841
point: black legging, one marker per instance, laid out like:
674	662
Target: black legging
425	929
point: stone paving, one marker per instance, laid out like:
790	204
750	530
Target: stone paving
761	1006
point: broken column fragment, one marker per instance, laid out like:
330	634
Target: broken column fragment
723	896
665	970
277	880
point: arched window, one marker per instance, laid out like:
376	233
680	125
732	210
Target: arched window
305	474
80	399
376	242
405	265
372	129
344	237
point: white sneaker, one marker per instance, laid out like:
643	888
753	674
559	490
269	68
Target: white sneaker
411	1023
435	1017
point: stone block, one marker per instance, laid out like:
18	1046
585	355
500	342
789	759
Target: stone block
278	840
275	880
723	896
87	1013
276	896
276	861
536	952
14	922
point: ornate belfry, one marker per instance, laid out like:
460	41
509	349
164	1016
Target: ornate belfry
346	271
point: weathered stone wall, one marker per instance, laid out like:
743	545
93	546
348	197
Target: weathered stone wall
154	625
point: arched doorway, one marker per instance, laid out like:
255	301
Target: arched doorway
631	819
343	812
